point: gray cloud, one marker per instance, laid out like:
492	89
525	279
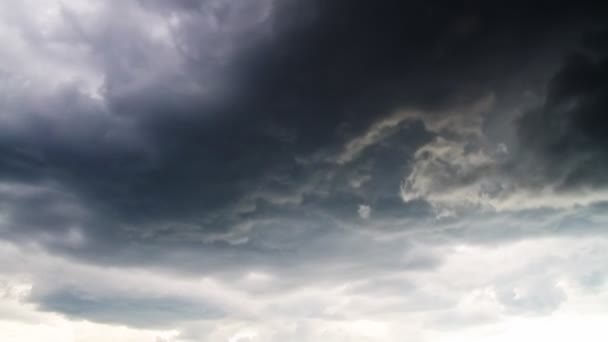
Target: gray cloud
314	144
146	312
564	135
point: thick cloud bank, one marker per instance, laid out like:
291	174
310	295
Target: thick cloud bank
288	170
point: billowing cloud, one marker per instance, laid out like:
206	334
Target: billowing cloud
271	170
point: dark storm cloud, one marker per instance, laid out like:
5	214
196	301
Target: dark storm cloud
565	138
262	145
218	149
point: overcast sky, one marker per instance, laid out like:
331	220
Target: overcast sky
303	170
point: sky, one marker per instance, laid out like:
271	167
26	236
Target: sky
303	170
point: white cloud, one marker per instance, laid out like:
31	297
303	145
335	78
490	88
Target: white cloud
463	298
465	120
364	211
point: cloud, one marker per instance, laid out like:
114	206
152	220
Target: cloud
556	160
298	170
214	110
564	134
364	211
467	289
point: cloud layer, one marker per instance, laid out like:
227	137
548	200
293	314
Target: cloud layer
264	170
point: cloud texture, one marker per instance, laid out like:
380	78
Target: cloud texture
285	170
